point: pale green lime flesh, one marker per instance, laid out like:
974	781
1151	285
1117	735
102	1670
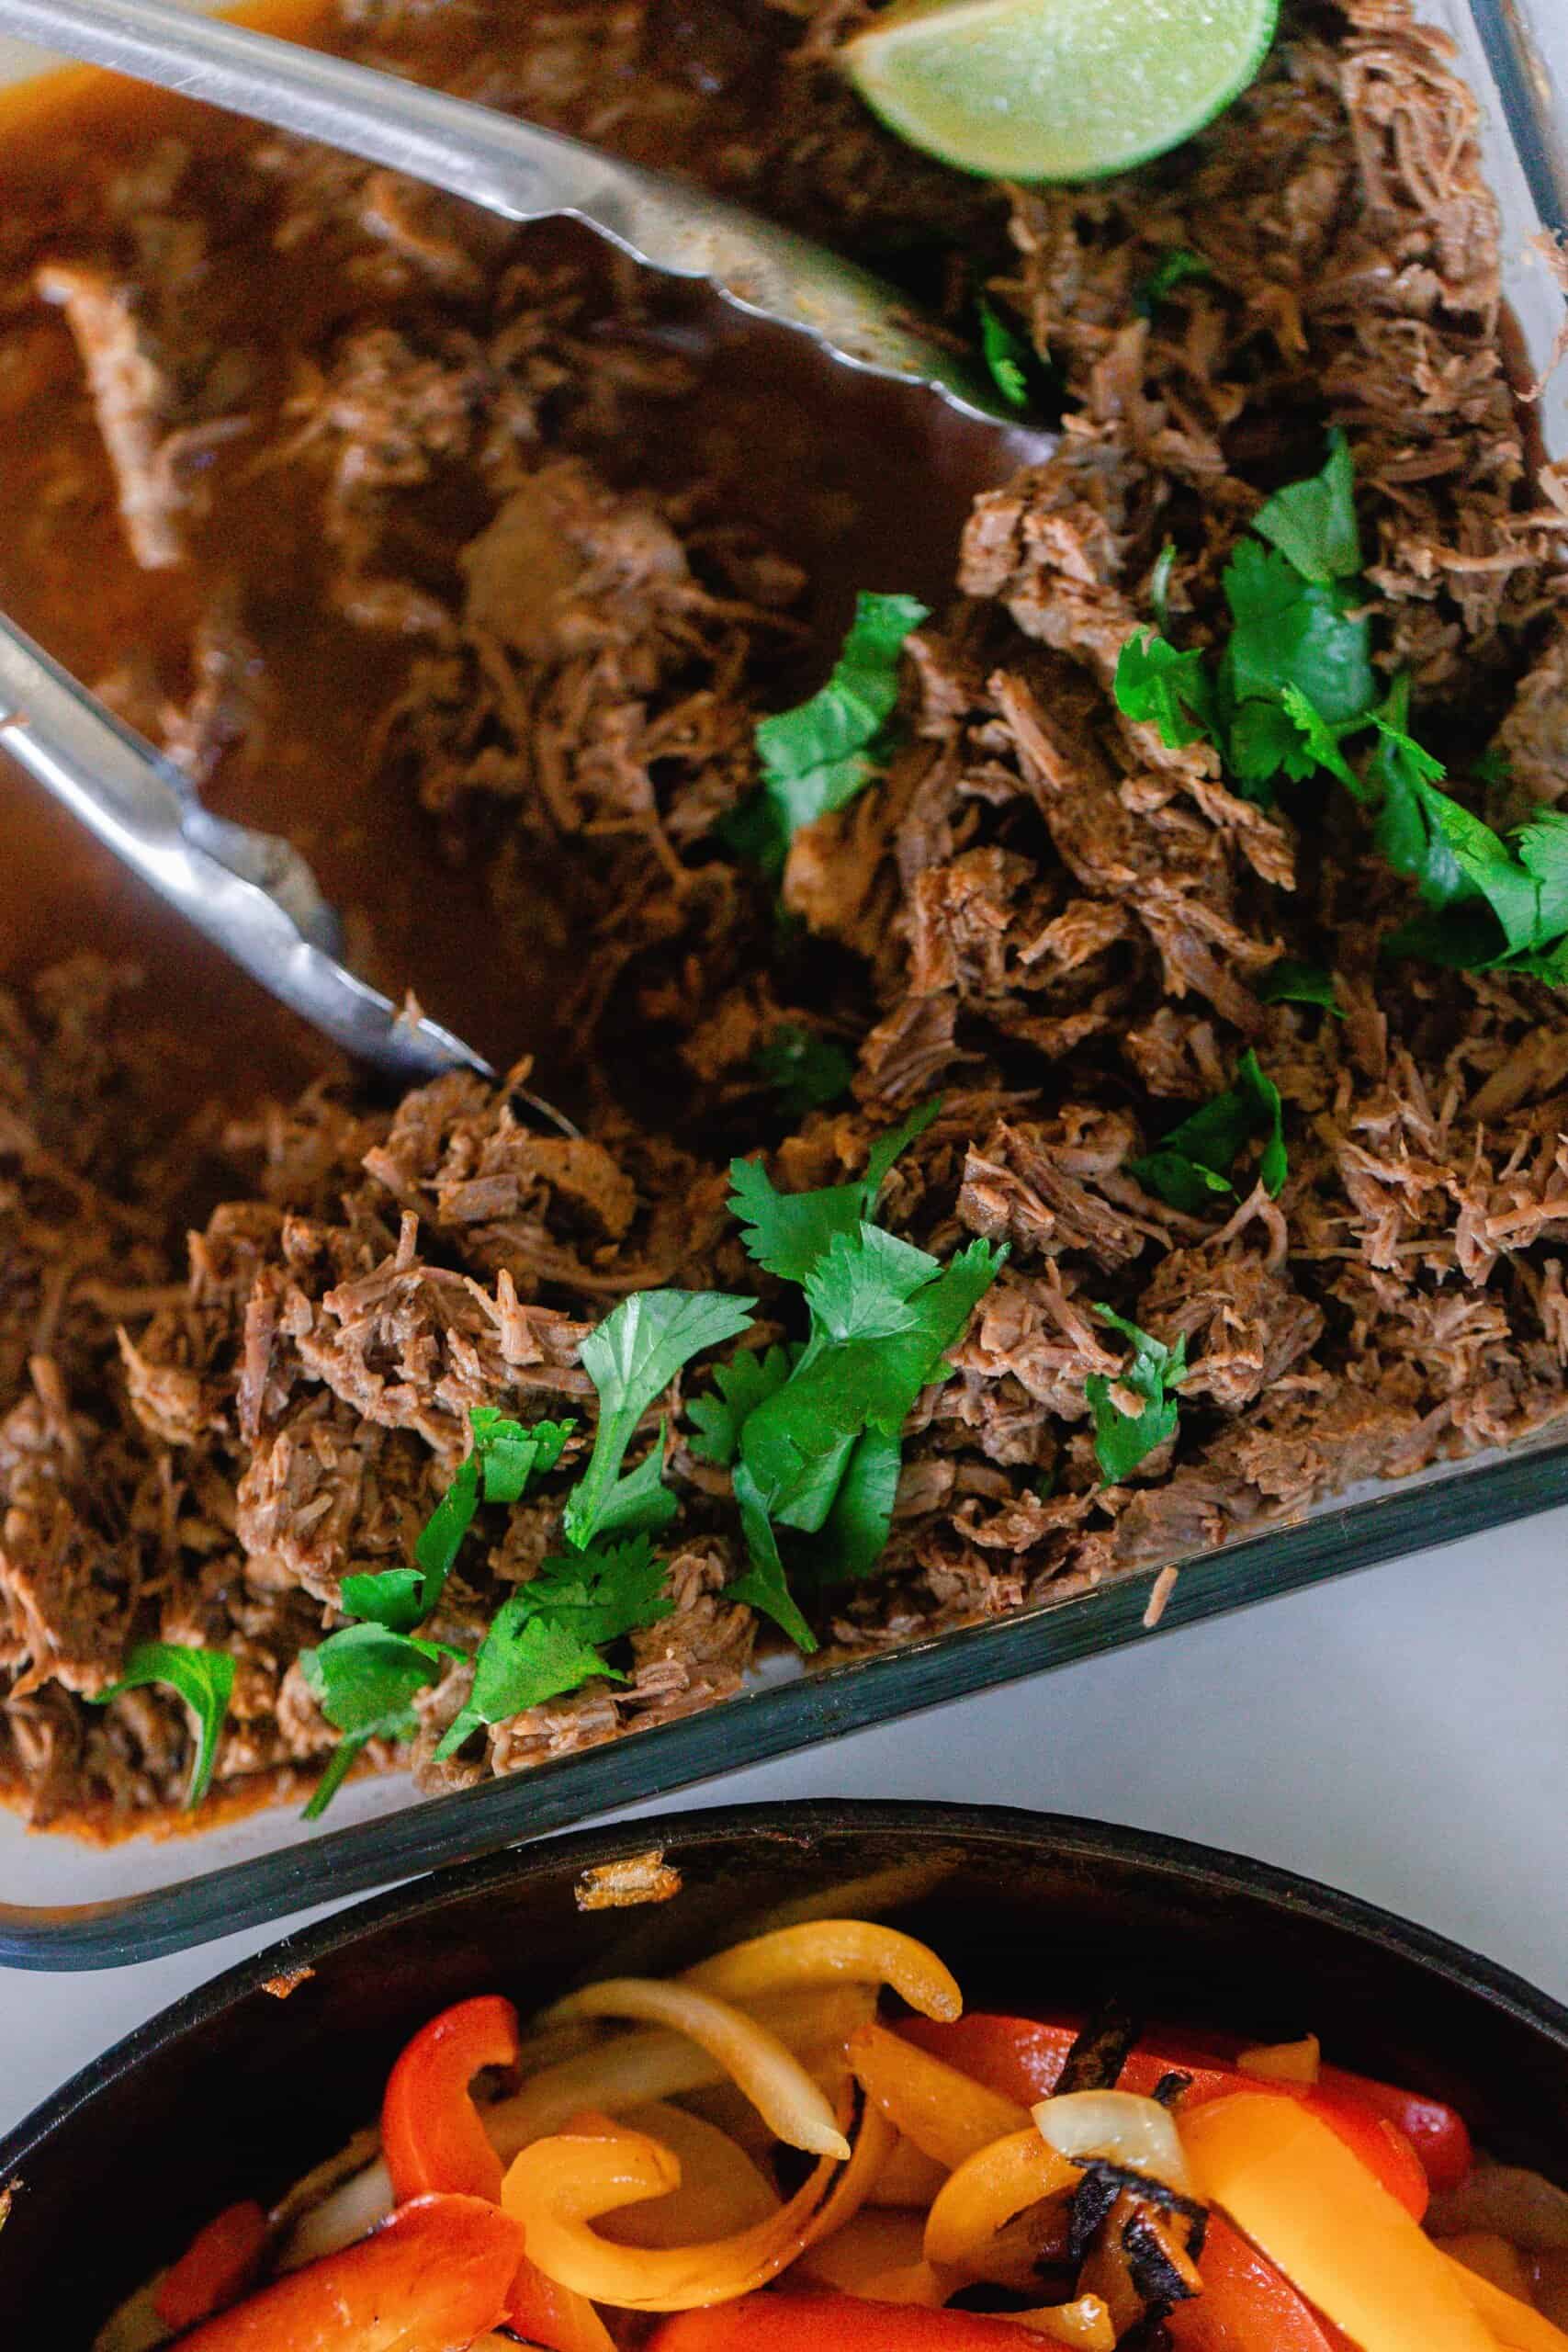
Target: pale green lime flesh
1056	89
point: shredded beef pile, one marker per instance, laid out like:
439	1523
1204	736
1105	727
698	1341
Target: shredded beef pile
1038	911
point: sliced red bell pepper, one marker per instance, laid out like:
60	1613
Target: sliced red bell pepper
214	2268
1246	2304
435	2276
773	2323
432	2137
1021	2057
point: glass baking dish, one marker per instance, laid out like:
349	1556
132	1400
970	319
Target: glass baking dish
72	1907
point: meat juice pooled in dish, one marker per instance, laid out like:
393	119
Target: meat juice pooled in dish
1145	1067
806	2144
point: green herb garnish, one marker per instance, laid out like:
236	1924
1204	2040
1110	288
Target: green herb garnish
805	1071
1195	1160
818	756
203	1679
813	1432
1155	682
631	1357
1289	982
1006	354
365	1681
545	1639
1173	268
1124	1439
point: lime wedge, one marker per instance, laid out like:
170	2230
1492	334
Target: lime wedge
1056	89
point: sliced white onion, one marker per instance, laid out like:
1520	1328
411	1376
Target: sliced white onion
833	1950
350	2212
771	2076
1122	2126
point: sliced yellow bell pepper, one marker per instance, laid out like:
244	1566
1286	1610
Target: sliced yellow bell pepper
1518	2325
1343	2241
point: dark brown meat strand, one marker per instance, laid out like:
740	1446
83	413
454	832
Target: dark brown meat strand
1041	911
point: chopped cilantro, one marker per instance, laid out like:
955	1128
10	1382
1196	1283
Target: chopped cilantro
1173	268
545	1640
1006	354
1289	631
1313	523
393	1598
818	756
630	1357
523	1661
640	1500
1155	682
1124	1439
1289	982
854	1534
440	1540
1195	1160
203	1679
787	1232
365	1681
764	1584
510	1454
806	1071
740	1386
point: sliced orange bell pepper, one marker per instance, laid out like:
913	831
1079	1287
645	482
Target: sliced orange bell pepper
1514	2324
1352	2250
1022	2058
774	2322
1246	2304
432	2137
436	2275
214	2268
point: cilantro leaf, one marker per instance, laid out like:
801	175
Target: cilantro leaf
1155	683
1313	523
1543	854
787	1232
523	1660
1123	1439
740	1386
818	756
630	1357
203	1679
1173	268
1006	354
806	1071
764	1584
602	1594
1289	982
440	1540
365	1681
640	1500
394	1597
1291	632
854	1534
510	1454
1195	1160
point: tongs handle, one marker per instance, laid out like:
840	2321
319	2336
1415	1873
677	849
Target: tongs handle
514	169
250	893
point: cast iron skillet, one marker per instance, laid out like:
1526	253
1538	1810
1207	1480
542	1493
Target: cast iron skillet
234	2091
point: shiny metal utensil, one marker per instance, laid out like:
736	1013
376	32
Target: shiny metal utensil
517	170
249	892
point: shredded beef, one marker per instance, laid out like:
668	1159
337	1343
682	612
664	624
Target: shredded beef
238	1354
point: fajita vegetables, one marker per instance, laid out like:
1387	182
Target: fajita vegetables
806	2144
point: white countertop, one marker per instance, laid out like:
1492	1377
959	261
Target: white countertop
1402	1734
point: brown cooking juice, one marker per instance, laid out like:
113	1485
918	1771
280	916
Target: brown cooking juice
863	485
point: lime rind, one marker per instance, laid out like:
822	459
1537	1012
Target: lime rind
1056	89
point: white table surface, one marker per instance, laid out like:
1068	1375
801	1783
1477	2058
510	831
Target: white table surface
1402	1734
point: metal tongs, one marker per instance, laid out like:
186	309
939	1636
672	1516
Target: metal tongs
249	892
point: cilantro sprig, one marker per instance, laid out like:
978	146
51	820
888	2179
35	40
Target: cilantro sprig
203	1679
812	1433
1195	1160
1175	267
818	756
806	1071
1152	1373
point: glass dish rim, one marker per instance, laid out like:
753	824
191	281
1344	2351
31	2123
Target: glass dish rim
758	1725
